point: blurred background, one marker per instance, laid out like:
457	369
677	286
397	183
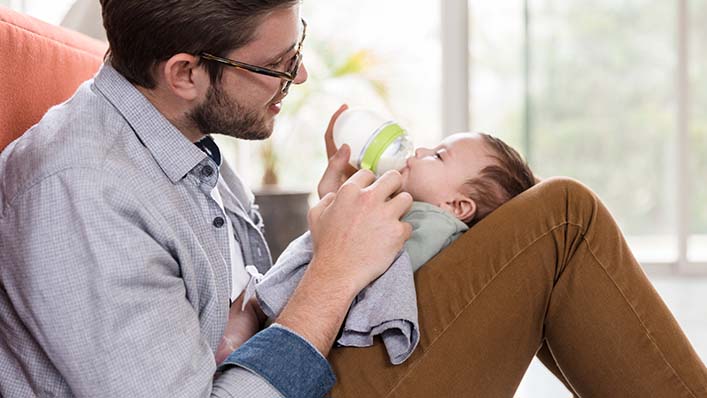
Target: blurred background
611	92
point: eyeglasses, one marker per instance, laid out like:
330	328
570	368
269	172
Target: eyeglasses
287	77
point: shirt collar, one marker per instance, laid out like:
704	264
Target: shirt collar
172	151
208	145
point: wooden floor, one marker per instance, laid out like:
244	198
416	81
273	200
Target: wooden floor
686	297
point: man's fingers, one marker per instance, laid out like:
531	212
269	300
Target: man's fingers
362	178
327	199
408	231
336	173
317	209
400	203
341	160
388	184
342	155
329	135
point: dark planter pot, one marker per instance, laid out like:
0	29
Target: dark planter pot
285	216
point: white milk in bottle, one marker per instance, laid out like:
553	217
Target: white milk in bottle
377	144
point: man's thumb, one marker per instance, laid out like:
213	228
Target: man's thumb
343	154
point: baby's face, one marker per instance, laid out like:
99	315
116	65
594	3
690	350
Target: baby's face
437	175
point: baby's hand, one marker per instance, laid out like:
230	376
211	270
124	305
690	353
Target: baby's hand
241	326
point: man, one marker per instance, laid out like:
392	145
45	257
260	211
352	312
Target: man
125	243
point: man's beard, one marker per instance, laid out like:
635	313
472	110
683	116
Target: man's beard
220	114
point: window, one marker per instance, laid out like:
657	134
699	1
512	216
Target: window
497	97
697	144
591	90
609	92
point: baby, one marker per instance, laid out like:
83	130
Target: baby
454	186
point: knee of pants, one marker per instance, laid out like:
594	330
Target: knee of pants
580	201
565	185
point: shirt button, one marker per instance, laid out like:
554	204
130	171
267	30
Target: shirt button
218	222
207	171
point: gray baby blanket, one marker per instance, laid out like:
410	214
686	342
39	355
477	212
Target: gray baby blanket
387	307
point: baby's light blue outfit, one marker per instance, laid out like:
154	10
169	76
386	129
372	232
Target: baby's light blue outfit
388	306
433	229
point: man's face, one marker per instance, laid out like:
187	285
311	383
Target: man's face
244	104
437	175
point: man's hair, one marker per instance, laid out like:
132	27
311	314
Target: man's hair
500	182
141	33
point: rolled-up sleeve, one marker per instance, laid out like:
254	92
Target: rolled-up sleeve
287	361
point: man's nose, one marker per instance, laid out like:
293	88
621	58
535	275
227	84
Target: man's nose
302	74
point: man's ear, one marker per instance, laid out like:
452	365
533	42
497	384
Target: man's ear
183	77
462	207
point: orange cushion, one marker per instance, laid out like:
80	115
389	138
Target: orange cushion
42	65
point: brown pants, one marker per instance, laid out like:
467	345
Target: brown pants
547	274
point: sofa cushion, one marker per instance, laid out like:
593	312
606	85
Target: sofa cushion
42	65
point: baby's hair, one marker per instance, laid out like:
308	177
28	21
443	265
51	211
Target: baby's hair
498	183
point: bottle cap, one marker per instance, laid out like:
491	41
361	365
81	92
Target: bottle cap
380	141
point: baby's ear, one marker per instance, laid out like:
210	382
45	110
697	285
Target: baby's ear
463	207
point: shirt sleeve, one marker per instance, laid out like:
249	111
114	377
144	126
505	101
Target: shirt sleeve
289	363
90	271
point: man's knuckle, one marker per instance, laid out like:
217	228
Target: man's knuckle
367	196
367	172
402	230
407	229
348	189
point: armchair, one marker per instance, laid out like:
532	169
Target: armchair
42	65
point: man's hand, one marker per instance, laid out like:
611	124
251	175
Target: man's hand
359	230
338	170
356	234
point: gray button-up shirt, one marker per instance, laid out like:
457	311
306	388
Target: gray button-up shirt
114	265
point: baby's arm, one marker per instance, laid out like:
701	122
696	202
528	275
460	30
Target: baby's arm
242	325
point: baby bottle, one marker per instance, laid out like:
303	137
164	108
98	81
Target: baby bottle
377	144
